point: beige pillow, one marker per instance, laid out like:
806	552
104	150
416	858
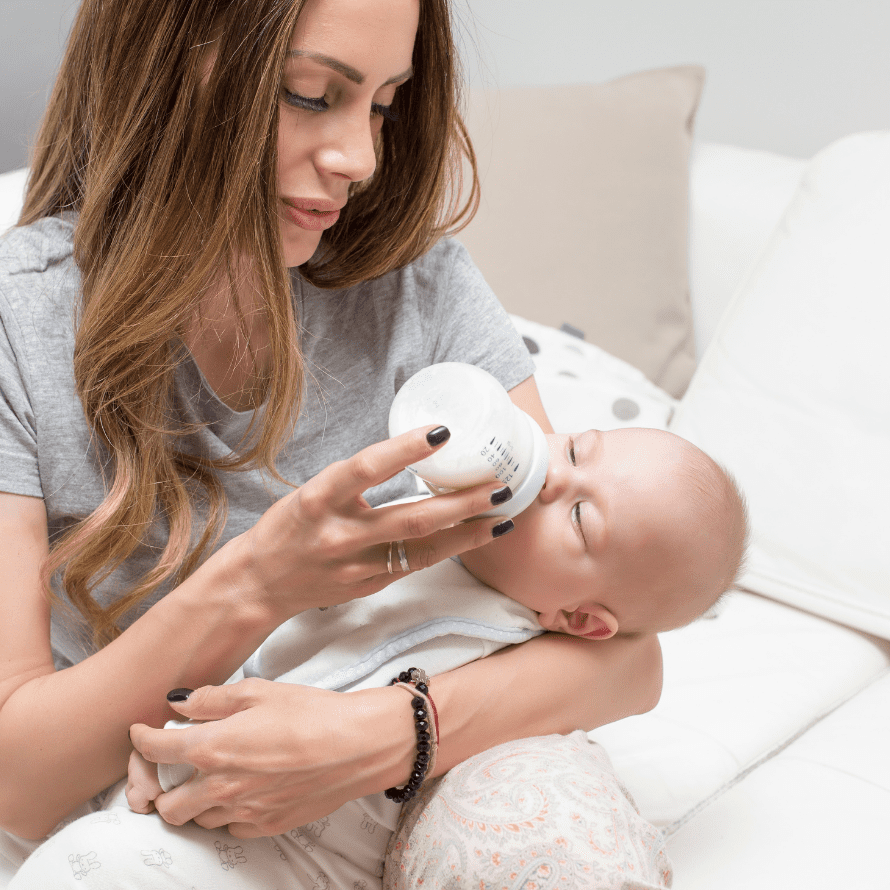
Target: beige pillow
584	212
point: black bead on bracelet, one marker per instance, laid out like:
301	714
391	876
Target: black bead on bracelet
424	726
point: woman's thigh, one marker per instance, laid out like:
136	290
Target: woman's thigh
546	812
116	849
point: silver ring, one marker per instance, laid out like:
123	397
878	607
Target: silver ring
389	559
403	557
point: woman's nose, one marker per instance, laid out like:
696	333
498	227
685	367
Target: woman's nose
350	153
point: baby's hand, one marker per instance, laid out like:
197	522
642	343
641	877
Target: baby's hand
142	784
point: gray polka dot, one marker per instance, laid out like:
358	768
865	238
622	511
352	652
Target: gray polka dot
530	345
568	374
572	330
625	409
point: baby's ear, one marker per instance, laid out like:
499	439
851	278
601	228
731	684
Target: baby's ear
603	624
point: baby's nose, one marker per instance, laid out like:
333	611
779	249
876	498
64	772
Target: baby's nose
555	483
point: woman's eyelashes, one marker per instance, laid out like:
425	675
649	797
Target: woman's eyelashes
305	102
384	111
309	103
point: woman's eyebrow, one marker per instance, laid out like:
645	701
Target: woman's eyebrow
342	68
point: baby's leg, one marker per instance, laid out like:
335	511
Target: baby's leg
547	811
116	849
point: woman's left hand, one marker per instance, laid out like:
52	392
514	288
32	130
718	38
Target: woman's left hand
275	756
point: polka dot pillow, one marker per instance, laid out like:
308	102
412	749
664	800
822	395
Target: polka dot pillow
583	386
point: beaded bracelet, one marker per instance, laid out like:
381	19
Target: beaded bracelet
416	682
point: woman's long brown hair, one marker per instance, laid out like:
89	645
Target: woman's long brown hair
170	165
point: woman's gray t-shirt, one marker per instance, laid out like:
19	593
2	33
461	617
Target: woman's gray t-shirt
360	345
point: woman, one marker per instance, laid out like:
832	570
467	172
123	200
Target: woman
167	382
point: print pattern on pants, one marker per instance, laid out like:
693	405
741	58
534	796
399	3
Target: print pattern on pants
546	813
117	849
83	863
230	857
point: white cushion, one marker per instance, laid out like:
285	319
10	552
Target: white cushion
12	187
815	816
736	198
792	395
737	688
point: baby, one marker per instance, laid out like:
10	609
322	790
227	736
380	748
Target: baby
636	531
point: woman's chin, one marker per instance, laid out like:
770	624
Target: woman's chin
300	250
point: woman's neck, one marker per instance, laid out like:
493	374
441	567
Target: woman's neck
229	341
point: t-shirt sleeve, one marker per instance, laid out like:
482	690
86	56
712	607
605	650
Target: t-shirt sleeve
466	322
19	472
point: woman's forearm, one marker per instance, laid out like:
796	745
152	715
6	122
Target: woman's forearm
64	735
551	684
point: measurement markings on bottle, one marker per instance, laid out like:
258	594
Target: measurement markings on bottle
500	455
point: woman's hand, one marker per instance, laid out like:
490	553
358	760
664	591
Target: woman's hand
324	544
275	755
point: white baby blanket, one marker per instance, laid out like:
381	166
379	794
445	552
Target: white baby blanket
441	617
341	646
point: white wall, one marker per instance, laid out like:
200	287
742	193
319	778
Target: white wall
783	75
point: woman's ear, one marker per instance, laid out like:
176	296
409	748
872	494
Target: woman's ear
601	624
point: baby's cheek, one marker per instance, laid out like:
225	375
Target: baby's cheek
547	620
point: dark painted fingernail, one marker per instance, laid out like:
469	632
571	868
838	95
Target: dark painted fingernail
502	528
177	695
437	436
501	496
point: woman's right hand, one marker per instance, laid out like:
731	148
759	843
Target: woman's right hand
324	544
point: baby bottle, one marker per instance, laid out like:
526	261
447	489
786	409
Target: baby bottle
491	439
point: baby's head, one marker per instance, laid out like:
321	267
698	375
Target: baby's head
635	531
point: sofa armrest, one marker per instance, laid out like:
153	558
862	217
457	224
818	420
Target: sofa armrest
737	197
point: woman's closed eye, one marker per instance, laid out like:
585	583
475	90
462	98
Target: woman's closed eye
308	103
305	102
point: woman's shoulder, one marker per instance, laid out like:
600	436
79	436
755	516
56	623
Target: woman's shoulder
37	247
441	258
437	278
432	267
38	276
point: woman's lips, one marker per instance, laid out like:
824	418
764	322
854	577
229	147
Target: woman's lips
312	216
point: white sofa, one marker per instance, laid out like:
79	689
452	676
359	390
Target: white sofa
765	762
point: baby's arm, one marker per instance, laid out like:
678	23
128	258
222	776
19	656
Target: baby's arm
142	783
